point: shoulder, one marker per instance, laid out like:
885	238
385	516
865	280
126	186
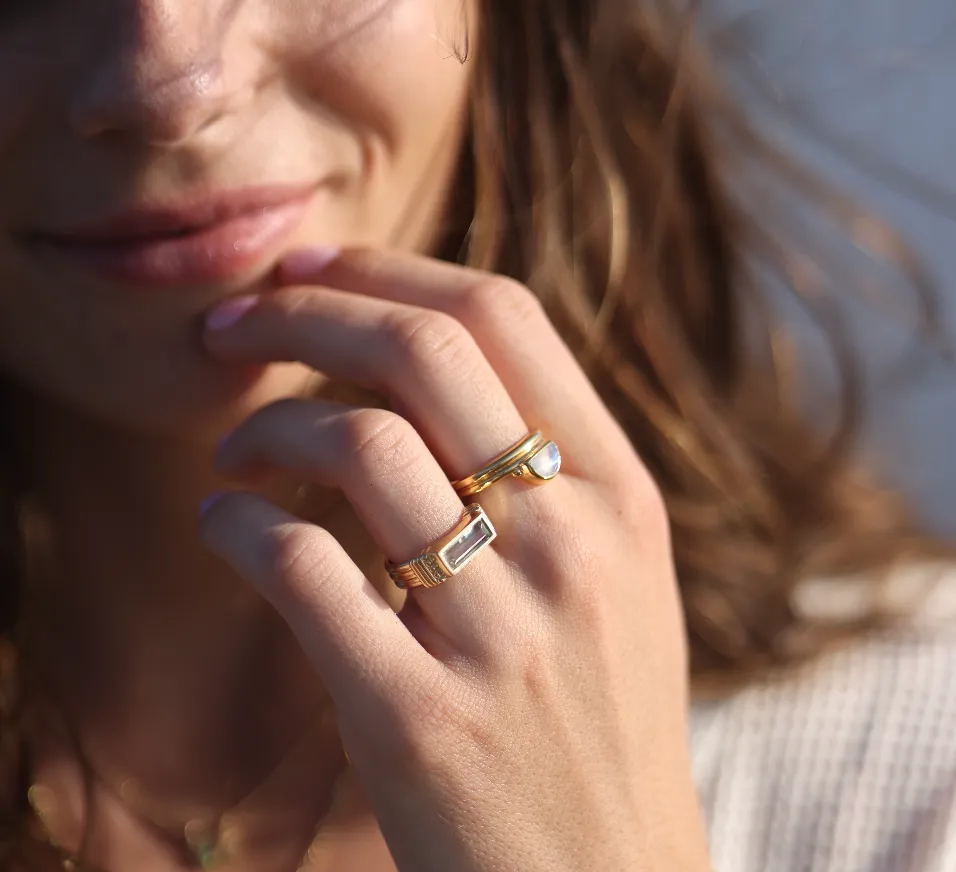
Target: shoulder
847	764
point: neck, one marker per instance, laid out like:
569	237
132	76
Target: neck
170	670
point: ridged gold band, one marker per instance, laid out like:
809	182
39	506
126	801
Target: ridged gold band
533	456
449	555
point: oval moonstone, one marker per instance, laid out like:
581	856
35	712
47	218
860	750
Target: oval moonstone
546	462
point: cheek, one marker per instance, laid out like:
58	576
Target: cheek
42	53
130	363
395	76
26	103
422	82
412	61
24	69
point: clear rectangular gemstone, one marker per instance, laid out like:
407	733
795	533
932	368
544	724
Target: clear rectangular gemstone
462	549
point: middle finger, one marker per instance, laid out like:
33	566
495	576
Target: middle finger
424	361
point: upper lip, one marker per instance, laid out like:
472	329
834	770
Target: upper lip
143	222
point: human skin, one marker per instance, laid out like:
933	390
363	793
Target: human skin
530	713
111	104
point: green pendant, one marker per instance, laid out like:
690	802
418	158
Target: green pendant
205	853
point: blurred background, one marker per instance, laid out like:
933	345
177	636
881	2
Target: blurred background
865	91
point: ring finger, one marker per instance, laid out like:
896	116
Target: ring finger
397	489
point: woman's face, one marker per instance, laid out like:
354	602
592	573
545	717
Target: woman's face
158	155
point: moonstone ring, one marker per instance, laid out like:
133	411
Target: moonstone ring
534	458
449	556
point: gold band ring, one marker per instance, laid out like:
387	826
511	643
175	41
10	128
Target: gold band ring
534	457
449	555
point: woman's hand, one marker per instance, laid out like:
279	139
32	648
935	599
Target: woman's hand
528	714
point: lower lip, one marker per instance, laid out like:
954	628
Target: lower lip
216	253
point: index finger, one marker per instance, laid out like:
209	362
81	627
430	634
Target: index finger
539	371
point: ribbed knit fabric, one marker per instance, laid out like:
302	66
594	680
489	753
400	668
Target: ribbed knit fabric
847	766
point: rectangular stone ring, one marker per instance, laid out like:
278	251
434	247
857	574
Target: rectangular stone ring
447	557
534	457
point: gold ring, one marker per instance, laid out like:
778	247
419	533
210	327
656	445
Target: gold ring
449	555
534	457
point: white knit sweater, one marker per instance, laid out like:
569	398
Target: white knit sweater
848	766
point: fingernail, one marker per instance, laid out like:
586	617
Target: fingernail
307	261
208	503
230	312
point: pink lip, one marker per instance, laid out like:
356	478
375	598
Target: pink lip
214	239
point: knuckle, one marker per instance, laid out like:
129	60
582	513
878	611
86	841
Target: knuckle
533	673
301	554
379	440
496	301
289	303
590	600
573	559
578	565
430	341
372	262
562	537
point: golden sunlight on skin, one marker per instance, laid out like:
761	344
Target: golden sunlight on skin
117	116
365	102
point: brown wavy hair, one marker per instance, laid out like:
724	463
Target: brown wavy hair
607	170
615	177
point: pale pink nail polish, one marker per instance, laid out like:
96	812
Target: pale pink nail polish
306	262
230	312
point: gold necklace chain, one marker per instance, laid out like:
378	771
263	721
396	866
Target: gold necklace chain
207	842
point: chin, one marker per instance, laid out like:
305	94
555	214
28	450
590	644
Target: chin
200	408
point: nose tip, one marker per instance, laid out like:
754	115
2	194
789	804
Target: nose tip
164	109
